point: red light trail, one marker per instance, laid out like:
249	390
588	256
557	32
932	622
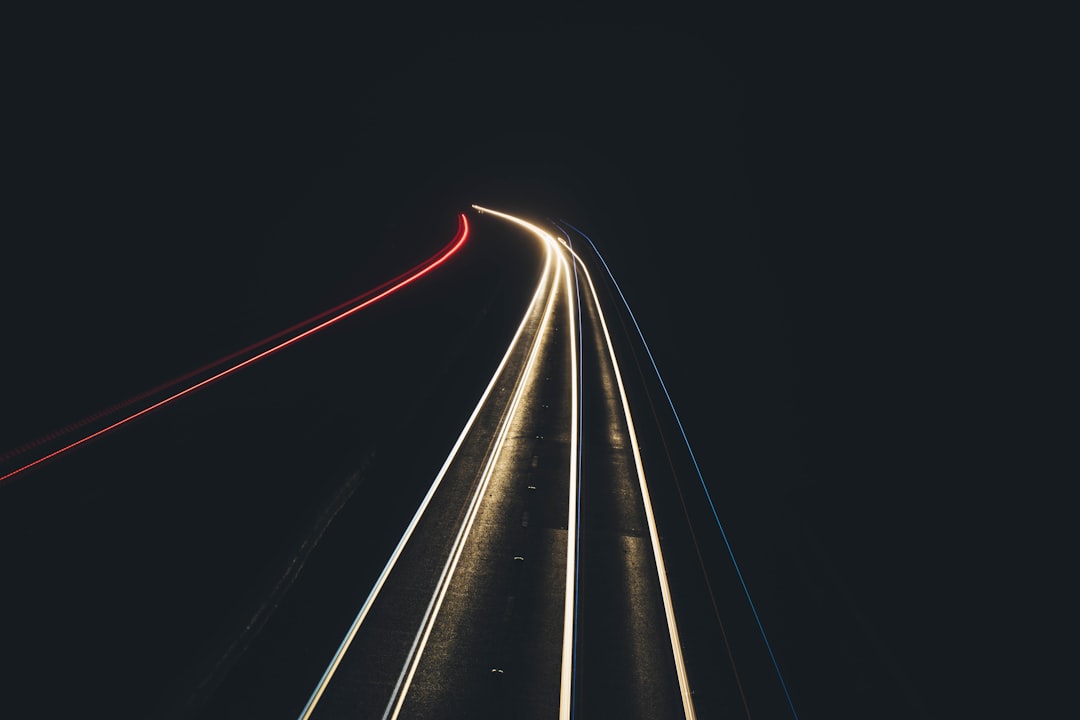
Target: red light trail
275	343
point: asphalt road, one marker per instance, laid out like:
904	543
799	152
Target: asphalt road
207	560
483	608
318	552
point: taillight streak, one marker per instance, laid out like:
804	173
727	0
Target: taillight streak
314	325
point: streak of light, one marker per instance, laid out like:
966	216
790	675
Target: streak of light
328	674
401	690
712	506
701	562
654	536
379	293
576	502
566	683
572	535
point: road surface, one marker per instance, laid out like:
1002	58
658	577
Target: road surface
509	521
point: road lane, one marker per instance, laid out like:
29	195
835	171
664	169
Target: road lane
470	655
624	664
403	610
630	658
731	670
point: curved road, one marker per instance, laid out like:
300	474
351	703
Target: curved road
532	581
513	527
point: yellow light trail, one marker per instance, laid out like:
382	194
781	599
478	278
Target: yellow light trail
567	666
328	674
397	699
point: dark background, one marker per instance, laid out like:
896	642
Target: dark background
804	210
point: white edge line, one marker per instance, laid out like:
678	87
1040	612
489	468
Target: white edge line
661	570
428	623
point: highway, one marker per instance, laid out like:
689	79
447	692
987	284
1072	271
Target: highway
532	580
479	605
528	538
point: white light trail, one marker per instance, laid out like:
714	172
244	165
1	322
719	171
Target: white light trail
701	478
654	536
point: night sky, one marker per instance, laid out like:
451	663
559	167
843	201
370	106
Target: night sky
791	205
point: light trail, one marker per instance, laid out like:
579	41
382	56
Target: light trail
701	478
693	533
427	625
576	502
566	674
654	536
8	455
547	278
369	298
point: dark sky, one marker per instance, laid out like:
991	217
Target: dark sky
793	204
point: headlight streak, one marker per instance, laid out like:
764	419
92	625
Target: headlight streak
654	536
541	289
364	300
577	497
573	536
393	710
712	506
566	674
